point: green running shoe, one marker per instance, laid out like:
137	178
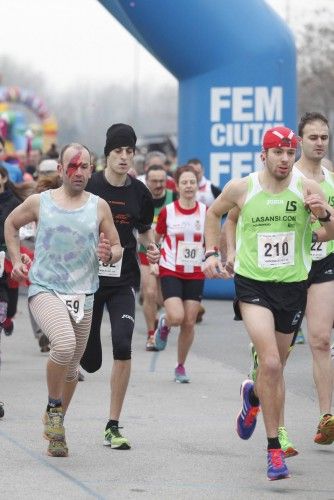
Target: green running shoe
254	363
114	439
286	445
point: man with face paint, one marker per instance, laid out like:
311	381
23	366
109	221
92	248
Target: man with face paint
74	230
132	207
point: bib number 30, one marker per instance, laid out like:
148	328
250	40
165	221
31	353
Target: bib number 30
189	253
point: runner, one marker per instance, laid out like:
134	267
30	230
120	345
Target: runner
181	225
272	264
131	204
63	275
150	286
207	193
157	158
314	131
8	201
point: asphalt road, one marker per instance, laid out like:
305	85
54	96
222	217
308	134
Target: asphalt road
184	444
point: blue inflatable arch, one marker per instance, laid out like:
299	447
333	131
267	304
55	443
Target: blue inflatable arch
236	66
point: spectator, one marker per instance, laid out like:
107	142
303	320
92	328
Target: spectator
207	192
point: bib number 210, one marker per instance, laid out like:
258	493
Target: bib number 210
276	249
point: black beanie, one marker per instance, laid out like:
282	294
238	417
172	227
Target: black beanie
119	135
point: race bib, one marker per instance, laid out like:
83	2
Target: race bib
75	304
318	250
276	249
27	231
111	270
189	253
2	262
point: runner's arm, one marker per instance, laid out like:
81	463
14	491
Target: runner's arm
228	237
315	201
152	250
23	214
109	247
230	197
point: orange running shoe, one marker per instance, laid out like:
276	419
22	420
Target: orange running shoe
325	431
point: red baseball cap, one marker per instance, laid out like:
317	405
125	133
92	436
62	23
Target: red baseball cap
280	137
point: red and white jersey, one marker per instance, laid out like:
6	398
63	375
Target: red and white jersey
183	245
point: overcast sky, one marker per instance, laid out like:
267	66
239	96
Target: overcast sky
69	40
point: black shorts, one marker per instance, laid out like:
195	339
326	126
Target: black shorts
287	301
171	286
321	270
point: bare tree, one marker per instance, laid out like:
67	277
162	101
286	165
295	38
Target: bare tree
315	67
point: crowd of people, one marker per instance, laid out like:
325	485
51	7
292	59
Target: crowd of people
83	240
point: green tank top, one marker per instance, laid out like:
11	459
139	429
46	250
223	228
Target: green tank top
273	234
320	250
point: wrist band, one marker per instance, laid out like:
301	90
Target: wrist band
325	219
153	243
211	254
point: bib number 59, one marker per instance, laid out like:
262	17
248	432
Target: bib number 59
73	305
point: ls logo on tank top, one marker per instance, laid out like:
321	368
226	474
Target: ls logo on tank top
276	249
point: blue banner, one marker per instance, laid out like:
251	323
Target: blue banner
236	66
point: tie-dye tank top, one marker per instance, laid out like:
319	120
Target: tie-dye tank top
65	258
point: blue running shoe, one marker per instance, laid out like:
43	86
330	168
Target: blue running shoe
276	465
161	334
246	420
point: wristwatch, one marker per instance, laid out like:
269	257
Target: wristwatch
325	219
210	253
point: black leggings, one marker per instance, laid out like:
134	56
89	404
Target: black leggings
9	295
120	302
